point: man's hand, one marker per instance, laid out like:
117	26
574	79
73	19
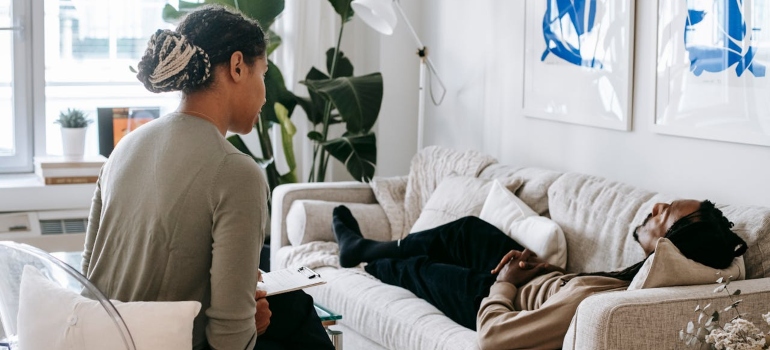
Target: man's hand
531	262
262	317
518	268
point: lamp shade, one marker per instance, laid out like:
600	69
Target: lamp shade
378	14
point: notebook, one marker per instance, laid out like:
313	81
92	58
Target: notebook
289	279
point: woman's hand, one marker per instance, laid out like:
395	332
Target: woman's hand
262	317
518	268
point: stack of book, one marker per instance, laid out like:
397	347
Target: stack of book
55	170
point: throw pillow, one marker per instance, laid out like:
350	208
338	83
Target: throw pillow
51	317
517	220
311	220
667	267
454	198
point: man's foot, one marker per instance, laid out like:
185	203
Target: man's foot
348	236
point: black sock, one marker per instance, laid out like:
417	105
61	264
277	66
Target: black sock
354	248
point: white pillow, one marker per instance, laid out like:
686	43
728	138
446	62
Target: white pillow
517	220
52	318
667	267
311	220
454	198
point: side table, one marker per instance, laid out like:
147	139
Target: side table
329	318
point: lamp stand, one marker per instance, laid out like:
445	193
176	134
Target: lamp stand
421	102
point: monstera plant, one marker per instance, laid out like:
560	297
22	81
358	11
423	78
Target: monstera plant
280	102
339	97
335	97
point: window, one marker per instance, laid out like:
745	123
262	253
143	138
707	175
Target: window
88	47
15	143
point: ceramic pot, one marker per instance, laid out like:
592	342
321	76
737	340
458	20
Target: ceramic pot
73	142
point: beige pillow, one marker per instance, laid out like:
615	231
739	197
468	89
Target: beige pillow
311	220
52	317
511	215
667	267
456	197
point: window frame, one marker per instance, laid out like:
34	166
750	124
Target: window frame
21	82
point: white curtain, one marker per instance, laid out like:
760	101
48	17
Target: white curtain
307	28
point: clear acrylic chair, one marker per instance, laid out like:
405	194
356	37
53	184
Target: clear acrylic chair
13	257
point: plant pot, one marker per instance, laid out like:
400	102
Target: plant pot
73	142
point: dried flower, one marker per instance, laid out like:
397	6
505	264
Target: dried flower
736	334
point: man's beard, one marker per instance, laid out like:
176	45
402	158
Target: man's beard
636	230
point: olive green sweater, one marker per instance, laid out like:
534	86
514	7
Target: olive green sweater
180	214
537	315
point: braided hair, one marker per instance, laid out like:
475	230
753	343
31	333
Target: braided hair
182	60
705	236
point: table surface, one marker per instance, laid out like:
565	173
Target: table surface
74	259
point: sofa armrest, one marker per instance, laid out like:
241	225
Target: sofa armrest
284	195
652	318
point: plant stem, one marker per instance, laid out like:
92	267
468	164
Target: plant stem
267	153
320	152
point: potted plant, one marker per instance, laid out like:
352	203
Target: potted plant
73	132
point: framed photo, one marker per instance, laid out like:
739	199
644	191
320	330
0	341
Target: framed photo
712	76
578	63
116	122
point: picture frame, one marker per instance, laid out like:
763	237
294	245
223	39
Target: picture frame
115	123
578	62
712	80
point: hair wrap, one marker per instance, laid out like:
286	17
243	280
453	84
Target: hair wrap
178	63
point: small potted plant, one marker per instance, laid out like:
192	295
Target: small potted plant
73	132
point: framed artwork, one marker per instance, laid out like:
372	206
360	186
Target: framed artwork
116	122
578	61
712	80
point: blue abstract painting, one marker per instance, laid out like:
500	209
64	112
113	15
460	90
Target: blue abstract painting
729	43
565	23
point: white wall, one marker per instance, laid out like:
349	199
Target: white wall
478	48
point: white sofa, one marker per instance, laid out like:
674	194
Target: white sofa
597	217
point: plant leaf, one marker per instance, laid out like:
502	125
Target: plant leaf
719	289
273	41
264	11
276	92
315	136
737	292
344	68
357	99
720	280
288	130
342	7
690	328
313	106
236	141
357	152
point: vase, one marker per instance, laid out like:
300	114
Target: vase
73	143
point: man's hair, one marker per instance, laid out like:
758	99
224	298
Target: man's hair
705	236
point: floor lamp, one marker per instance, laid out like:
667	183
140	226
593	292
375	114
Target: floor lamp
380	15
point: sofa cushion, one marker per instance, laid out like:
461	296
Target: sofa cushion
598	217
311	220
454	198
536	233
428	169
535	184
667	267
391	316
51	317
